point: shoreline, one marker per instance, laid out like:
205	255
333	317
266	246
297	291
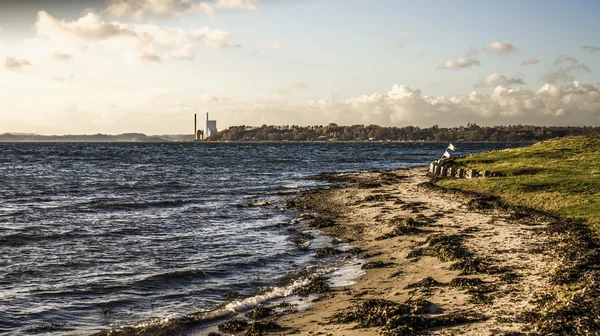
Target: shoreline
476	267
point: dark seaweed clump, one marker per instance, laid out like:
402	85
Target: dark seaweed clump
316	286
374	264
321	222
466	282
402	325
425	283
259	313
212	333
376	312
327	251
260	327
233	325
444	247
402	226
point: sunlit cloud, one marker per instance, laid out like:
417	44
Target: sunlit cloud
497	79
16	64
530	61
499	48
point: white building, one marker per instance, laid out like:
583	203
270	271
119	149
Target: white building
210	127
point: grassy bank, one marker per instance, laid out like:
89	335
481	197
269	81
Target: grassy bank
561	176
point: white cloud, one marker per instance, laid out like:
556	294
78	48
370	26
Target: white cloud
274	47
460	63
467	61
139	9
150	58
143	38
208	97
499	48
587	48
496	79
571	104
15	64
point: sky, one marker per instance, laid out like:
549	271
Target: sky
116	66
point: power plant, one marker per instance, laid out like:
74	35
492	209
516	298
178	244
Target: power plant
210	128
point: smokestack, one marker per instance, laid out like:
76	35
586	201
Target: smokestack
206	116
195	128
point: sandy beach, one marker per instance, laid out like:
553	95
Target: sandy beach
465	267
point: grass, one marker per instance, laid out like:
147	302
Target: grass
561	176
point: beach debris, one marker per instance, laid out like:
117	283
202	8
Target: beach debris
444	247
466	282
377	198
402	226
213	333
317	285
377	312
233	325
484	203
374	264
259	328
425	283
321	222
411	324
327	252
259	313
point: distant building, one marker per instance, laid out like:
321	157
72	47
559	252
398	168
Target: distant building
210	127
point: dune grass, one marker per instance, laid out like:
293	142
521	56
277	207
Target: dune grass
561	176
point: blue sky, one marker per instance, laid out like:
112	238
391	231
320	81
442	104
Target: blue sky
148	65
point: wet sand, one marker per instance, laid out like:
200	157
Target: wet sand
478	268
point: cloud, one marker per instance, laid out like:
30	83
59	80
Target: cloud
139	9
401	42
499	48
591	49
208	97
62	56
144	39
274	47
565	73
496	79
467	61
530	61
15	64
565	58
460	63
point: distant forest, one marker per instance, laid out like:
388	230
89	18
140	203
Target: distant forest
333	132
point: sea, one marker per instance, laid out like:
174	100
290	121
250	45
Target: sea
95	236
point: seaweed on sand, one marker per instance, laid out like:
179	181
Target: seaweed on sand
259	328
233	325
259	313
374	264
444	247
376	312
411	324
316	286
425	283
402	226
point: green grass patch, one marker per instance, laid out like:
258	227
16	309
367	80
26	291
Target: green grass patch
561	176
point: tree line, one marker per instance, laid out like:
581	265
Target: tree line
333	132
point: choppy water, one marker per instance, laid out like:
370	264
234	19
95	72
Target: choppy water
98	235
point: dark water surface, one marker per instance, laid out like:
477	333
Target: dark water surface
94	236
